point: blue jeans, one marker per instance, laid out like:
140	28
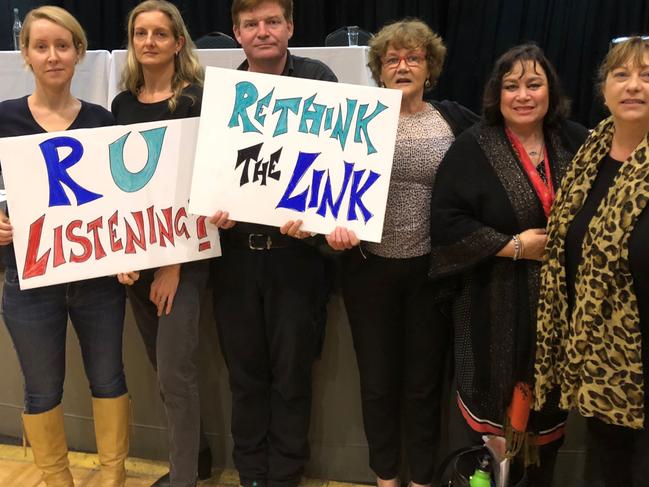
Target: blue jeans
37	320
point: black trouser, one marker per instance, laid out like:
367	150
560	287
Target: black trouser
622	453
268	305
401	342
171	342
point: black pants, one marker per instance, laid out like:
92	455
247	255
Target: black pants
171	342
622	453
268	305
401	342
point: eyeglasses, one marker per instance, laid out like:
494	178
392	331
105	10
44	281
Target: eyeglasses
619	40
412	60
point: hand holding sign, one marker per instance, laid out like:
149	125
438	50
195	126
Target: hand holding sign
342	239
221	219
6	230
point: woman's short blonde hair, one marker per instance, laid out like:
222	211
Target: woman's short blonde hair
632	49
187	68
59	16
408	34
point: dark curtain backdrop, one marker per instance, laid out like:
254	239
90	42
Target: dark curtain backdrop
575	34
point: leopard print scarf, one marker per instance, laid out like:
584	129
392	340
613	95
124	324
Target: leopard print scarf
595	354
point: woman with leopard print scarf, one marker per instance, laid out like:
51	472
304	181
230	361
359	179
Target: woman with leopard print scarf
593	313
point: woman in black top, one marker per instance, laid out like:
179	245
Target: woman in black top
594	309
490	204
163	80
52	43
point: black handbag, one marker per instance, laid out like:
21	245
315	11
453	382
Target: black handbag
457	468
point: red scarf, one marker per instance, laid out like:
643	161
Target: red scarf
545	192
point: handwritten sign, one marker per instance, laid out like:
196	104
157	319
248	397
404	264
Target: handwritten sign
275	148
93	202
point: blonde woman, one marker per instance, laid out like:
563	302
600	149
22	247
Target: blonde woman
163	80
52	43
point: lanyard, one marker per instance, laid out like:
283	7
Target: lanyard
545	192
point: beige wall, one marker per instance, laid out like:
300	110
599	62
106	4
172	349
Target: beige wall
338	448
337	440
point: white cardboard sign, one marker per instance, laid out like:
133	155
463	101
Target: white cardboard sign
93	202
276	148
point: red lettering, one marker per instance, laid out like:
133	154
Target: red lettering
130	234
152	234
78	239
168	231
93	227
201	232
182	228
59	258
35	266
115	243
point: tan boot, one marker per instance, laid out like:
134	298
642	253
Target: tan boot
112	418
46	436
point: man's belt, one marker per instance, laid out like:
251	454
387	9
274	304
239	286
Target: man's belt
257	241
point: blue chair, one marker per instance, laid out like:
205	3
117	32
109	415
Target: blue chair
215	40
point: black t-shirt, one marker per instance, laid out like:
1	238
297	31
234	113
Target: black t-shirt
296	67
302	67
16	119
638	250
128	109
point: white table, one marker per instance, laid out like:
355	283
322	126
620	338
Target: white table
97	77
90	81
349	63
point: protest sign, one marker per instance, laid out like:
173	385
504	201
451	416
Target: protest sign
276	148
93	202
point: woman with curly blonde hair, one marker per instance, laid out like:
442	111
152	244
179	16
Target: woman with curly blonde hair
400	338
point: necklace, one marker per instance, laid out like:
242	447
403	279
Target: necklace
544	190
536	154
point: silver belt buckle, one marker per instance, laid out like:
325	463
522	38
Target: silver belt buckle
252	246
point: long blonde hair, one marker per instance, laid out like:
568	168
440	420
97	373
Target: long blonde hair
187	68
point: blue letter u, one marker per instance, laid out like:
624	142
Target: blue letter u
134	181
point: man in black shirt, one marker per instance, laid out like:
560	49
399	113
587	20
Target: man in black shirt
270	293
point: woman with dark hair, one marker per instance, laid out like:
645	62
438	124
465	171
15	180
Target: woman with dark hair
52	43
401	339
491	201
163	80
593	317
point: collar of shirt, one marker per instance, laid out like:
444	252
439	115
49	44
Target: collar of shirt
289	67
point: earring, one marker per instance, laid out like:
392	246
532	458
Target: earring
427	84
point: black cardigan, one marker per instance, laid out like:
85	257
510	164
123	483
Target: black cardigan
482	197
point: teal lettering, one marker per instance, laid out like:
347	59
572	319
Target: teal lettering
245	96
126	180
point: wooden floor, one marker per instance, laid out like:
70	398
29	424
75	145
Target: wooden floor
18	470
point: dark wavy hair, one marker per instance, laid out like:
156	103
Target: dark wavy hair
558	103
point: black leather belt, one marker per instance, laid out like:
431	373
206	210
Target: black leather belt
257	241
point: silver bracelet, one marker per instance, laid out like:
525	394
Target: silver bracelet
518	246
